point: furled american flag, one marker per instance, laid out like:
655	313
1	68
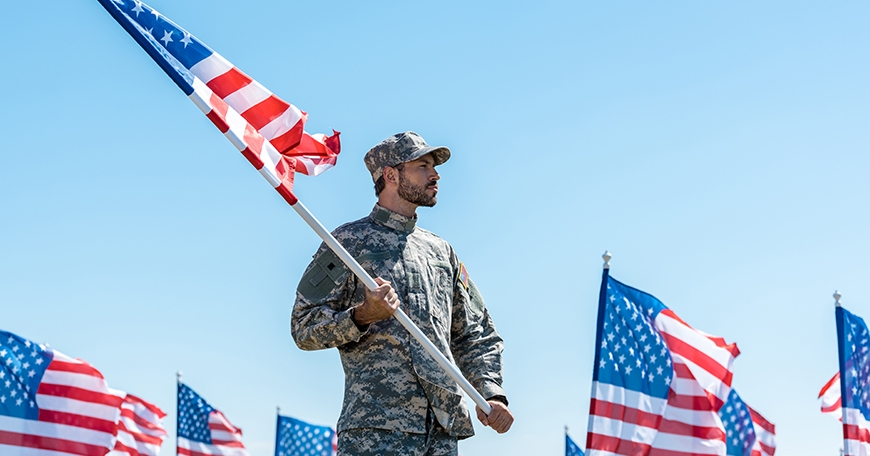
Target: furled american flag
747	432
267	130
657	382
829	397
571	448
140	431
298	438
51	404
204	430
854	345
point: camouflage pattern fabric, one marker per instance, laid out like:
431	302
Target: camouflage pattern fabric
380	442
391	383
401	148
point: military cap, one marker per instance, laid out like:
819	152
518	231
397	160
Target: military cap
401	148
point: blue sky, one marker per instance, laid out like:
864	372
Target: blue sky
719	150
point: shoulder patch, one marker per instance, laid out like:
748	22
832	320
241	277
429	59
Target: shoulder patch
314	285
463	275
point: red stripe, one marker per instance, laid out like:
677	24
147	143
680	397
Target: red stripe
291	138
761	421
698	357
140	437
218	113
828	385
52	444
79	394
131	399
142	422
615	445
76	368
855	432
253	158
125	449
766	448
689	402
837	405
622	413
228	443
720	342
265	111
70	419
229	82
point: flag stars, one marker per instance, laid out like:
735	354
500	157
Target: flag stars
167	38
137	8
186	40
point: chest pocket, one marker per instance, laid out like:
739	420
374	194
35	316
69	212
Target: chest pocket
440	296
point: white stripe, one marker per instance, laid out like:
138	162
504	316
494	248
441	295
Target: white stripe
201	96
58	431
24	451
211	67
855	448
650	436
248	96
629	398
82	381
210	449
225	436
129	441
622	430
236	133
270	157
600	453
67	405
282	124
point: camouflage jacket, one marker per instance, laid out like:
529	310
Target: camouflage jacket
390	381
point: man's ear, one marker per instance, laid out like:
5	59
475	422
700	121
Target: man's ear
391	175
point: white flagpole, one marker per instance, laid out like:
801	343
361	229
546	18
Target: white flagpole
370	283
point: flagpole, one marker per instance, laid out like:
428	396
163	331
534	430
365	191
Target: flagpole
842	362
177	415
277	429
599	329
370	283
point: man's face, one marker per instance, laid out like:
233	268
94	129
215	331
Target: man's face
418	181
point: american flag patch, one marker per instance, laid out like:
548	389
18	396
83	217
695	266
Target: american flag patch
463	275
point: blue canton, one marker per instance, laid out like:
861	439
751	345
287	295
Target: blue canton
856	345
298	438
633	354
739	429
571	448
193	412
23	365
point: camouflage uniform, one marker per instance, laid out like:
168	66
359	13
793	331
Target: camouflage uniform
391	383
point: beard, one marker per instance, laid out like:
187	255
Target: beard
415	194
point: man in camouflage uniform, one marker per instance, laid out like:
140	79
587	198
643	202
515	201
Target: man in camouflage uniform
397	400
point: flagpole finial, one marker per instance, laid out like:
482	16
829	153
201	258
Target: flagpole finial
178	376
607	256
837	297
278	409
566	429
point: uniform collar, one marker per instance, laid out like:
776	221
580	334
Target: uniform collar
393	220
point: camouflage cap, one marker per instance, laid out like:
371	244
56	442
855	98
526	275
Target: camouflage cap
401	148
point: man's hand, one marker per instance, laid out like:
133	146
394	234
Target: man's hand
380	304
500	418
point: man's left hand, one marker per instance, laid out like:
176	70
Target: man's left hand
500	418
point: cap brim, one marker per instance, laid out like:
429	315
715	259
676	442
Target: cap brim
440	153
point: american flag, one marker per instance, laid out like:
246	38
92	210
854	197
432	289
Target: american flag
830	399
658	383
571	448
140	430
268	131
747	432
854	345
204	430
298	438
51	404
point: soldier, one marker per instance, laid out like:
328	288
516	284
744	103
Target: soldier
397	400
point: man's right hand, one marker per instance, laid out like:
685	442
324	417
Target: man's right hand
380	304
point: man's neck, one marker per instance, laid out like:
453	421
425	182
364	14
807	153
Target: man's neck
397	204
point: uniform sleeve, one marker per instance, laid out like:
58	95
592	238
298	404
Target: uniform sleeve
475	343
321	314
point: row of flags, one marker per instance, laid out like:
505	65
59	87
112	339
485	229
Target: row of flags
52	404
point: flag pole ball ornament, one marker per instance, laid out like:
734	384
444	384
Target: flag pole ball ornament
401	148
267	130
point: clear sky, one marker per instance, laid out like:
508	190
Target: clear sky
718	149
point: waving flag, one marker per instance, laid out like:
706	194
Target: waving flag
829	397
854	345
298	438
140	431
748	433
571	448
51	404
204	430
268	131
657	382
